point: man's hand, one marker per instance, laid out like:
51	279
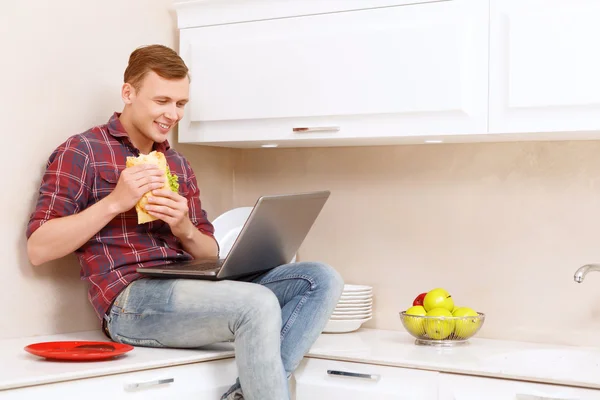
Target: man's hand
133	183
171	208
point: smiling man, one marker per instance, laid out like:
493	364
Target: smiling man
86	205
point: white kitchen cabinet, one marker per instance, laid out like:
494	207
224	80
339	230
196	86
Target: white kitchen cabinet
544	66
463	387
328	379
207	380
371	76
194	13
359	72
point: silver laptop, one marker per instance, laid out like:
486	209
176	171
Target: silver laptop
271	236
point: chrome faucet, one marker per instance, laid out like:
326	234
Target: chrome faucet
582	272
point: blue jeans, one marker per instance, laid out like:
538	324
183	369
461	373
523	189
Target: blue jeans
274	319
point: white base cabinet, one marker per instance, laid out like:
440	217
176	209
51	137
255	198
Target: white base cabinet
206	380
462	387
328	379
315	379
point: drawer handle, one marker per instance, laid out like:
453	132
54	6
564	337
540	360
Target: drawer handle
353	374
533	397
147	384
316	129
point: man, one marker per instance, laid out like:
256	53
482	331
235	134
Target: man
86	205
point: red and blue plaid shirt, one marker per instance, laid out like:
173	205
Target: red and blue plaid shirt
85	169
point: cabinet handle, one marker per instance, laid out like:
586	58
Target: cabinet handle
534	397
316	129
147	384
353	375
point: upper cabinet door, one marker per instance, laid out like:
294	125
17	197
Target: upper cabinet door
357	76
544	66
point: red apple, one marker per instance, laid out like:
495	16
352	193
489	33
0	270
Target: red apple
418	301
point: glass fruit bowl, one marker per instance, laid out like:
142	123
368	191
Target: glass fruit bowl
441	331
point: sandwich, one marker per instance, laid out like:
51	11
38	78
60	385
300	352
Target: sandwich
156	158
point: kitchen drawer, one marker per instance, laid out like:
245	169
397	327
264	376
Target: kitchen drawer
462	387
206	380
327	379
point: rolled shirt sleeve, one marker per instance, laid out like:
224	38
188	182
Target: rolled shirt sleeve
65	186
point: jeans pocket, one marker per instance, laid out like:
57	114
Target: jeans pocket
137	342
144	296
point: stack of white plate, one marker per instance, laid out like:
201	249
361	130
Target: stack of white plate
354	308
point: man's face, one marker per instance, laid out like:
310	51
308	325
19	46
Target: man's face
157	106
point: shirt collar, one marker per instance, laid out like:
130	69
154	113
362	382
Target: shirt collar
116	129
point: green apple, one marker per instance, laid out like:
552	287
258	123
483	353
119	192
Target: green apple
438	298
464	312
466	327
415	324
439	328
416	310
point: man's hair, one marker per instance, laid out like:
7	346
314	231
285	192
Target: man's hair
164	61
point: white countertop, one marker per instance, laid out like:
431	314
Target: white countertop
566	365
18	368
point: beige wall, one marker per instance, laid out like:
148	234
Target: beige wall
503	227
214	170
61	72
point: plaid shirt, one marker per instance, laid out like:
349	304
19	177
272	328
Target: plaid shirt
84	170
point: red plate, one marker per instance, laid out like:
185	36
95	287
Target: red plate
78	350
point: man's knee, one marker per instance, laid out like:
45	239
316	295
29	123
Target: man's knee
262	304
325	276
